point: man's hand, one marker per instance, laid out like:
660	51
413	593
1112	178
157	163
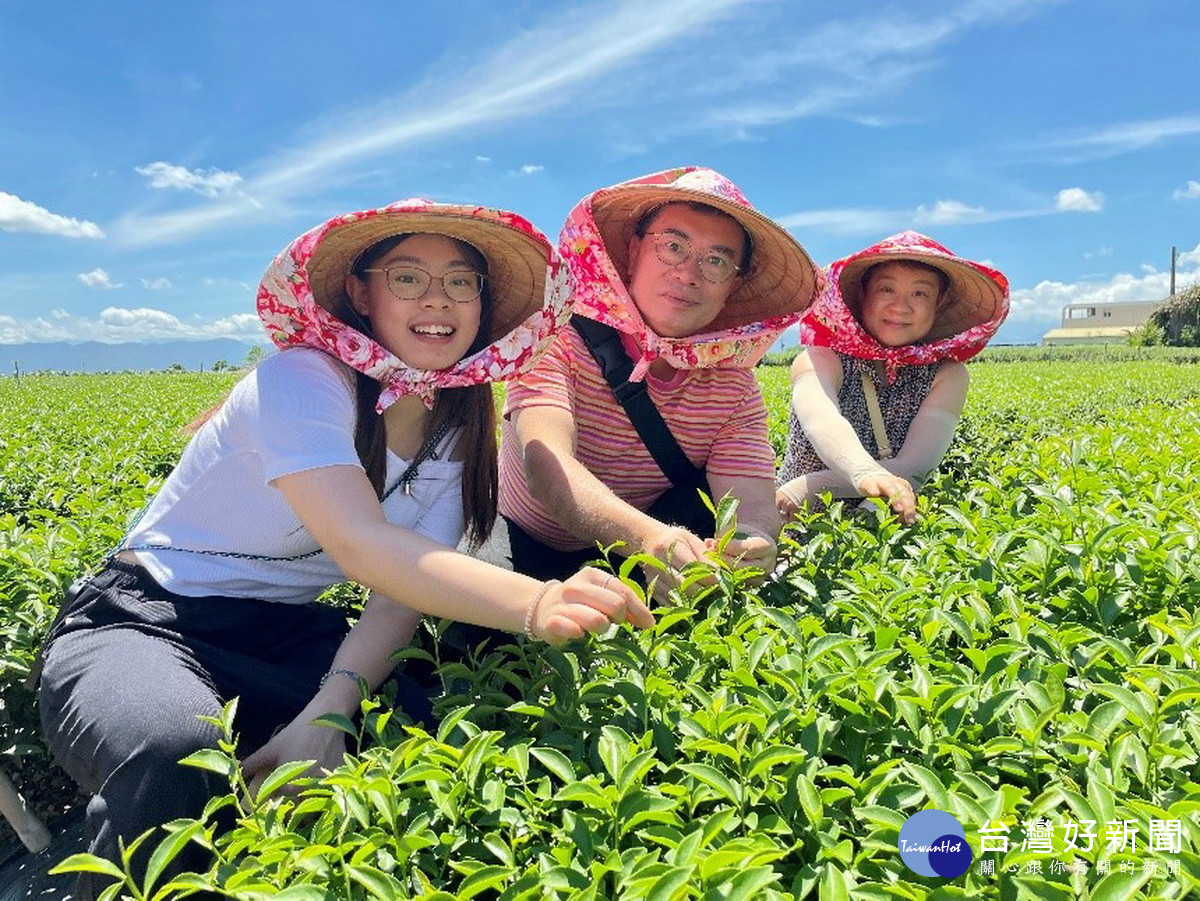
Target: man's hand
676	547
757	551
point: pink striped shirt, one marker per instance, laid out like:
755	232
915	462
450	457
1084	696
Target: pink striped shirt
717	416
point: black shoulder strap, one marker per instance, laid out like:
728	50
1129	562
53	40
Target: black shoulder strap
604	342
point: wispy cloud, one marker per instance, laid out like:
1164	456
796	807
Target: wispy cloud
1191	192
97	278
841	66
949	212
540	69
210	183
1077	200
877	222
157	284
1125	137
530	169
842	222
17	215
116	325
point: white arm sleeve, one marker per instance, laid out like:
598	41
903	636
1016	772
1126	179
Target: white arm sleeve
815	402
928	439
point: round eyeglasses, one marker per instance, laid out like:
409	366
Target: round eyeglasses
715	266
412	282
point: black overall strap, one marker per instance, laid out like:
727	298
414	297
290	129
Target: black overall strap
604	342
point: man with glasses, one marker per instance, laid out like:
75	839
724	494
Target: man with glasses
677	277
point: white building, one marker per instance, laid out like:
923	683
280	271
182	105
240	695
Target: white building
1100	323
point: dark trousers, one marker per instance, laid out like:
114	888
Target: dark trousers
533	558
130	667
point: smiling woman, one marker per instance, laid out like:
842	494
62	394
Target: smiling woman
877	394
363	451
423	295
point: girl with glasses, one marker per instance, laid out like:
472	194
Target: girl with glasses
362	450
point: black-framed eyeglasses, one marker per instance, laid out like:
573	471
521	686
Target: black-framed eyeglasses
412	282
673	249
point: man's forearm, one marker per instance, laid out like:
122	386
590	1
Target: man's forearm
757	512
583	505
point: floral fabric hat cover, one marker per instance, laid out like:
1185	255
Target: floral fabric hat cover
594	243
528	286
974	307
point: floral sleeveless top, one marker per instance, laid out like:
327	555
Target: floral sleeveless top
898	402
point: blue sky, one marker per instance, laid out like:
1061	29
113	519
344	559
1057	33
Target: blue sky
154	157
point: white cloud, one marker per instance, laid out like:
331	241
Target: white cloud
211	183
614	57
157	284
943	212
1191	192
483	159
948	212
97	278
1099	252
116	325
530	169
140	319
1046	299
1077	200
17	215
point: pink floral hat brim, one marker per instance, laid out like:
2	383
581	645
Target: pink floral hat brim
977	305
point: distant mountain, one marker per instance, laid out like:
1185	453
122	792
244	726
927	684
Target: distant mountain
92	356
1023	332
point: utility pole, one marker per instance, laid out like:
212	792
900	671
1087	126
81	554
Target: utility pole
1173	255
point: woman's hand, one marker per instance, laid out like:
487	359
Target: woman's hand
788	499
298	740
589	601
896	491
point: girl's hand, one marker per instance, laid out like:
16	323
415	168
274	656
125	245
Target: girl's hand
298	740
589	601
896	491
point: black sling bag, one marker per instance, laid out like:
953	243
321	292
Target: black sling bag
680	504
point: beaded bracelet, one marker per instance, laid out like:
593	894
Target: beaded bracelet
533	605
348	673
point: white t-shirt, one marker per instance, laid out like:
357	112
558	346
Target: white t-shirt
218	527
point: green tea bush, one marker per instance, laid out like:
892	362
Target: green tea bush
79	455
1029	650
1144	350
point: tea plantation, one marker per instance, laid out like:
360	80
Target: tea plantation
1025	658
